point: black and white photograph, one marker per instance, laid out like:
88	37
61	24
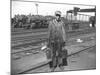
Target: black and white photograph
52	37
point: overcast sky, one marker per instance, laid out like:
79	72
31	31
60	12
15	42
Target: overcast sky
44	8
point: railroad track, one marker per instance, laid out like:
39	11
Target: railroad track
30	48
37	41
28	31
25	52
37	30
31	43
37	48
46	63
26	41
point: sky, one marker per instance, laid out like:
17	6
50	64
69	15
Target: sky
44	8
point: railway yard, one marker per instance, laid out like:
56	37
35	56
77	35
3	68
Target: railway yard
27	57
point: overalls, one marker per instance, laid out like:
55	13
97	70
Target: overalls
56	37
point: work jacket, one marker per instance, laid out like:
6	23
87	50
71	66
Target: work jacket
56	31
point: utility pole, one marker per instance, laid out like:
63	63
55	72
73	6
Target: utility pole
36	7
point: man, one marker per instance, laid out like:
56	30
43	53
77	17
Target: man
56	41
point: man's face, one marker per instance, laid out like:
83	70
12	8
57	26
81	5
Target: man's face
57	16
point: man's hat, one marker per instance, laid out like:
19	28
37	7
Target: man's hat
58	13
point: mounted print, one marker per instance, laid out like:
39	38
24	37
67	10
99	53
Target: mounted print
52	37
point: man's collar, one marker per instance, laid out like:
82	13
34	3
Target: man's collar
58	20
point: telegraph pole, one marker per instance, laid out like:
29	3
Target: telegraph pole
36	7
